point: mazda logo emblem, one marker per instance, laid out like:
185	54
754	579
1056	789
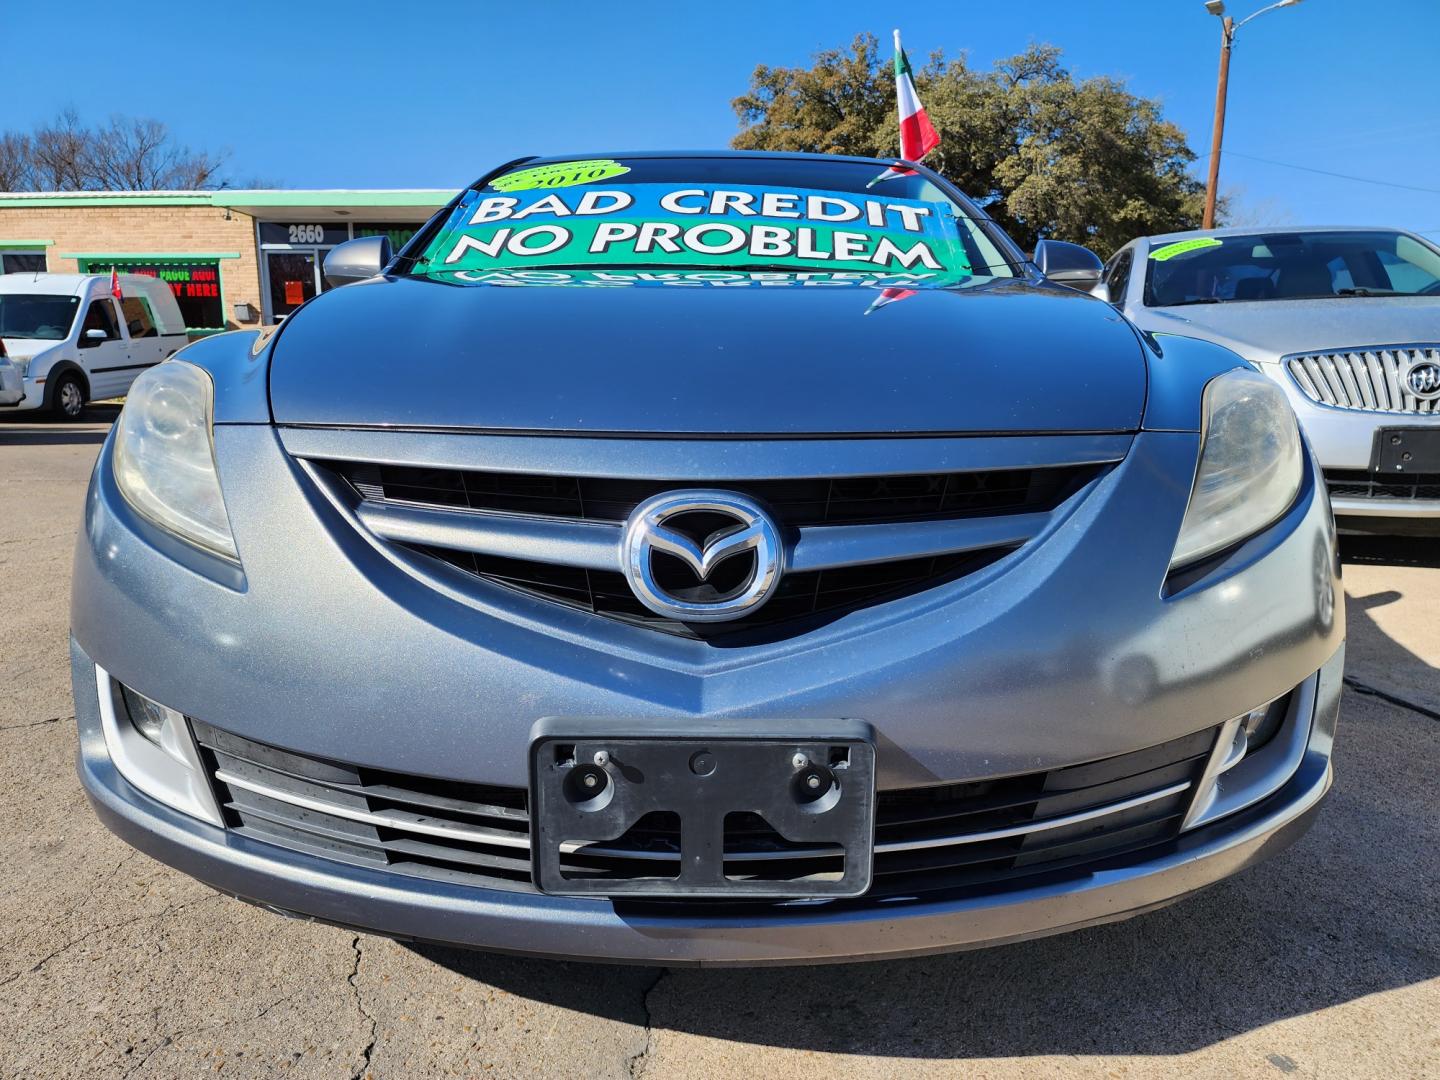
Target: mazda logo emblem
701	556
1423	379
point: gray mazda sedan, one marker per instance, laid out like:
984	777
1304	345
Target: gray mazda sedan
707	559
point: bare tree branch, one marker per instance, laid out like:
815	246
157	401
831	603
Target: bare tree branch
17	162
125	154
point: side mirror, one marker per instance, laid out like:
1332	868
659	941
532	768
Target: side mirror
96	335
1067	264
355	260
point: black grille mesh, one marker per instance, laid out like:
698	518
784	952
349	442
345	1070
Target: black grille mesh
1363	484
814	595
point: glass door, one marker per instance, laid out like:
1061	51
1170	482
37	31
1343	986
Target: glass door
293	279
292	257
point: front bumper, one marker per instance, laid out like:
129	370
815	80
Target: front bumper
1344	440
300	885
12	387
323	647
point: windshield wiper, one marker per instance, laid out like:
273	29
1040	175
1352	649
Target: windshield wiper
1360	290
1197	300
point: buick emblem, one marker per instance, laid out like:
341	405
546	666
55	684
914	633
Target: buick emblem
1423	379
701	556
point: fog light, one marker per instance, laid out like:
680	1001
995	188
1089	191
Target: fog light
1262	723
150	746
149	717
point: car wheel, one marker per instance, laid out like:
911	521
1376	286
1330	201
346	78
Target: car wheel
69	399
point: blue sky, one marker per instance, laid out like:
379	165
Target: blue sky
416	94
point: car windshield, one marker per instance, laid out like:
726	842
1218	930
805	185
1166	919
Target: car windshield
1290	266
787	215
36	316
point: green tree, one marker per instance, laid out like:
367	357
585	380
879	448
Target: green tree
1046	156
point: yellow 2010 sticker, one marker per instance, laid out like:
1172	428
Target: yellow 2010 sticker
560	174
1169	251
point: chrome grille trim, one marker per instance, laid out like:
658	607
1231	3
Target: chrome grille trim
1037	826
588	544
1365	379
417	823
596	546
475	834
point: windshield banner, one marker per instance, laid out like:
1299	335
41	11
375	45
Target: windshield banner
664	224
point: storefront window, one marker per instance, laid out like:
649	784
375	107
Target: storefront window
22	262
196	285
399	234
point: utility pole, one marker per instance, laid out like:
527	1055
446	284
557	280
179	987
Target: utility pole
1222	88
1227	42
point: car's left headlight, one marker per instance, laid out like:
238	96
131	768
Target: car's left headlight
165	455
1250	465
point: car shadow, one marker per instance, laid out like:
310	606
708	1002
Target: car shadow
1347	913
1391	550
26	429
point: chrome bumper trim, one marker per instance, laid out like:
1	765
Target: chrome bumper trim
1399	508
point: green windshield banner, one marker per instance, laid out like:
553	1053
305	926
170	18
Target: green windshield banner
1184	247
663	224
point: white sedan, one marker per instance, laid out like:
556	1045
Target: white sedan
1346	320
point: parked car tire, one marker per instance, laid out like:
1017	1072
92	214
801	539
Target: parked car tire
67	397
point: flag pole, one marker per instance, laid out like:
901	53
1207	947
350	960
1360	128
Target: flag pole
898	50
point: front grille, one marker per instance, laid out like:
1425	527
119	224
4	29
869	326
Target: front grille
850	500
1363	484
968	835
804	598
1371	380
813	596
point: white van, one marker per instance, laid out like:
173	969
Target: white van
72	341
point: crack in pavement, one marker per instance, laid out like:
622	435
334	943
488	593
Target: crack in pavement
36	723
167	1040
369	1049
174	1037
1371	691
639	1060
88	935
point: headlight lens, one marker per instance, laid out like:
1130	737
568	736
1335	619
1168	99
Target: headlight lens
1250	465
165	457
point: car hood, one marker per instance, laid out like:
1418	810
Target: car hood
811	356
26	349
1265	330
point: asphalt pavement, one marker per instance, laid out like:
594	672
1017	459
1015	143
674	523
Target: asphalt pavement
1324	962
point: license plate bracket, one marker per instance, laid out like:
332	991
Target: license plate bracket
811	782
1400	451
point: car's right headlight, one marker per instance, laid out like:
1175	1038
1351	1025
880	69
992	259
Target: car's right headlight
1250	465
165	455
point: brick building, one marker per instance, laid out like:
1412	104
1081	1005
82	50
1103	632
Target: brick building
233	258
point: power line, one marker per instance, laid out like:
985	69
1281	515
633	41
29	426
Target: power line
1338	176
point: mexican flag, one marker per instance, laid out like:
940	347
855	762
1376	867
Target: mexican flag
917	135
